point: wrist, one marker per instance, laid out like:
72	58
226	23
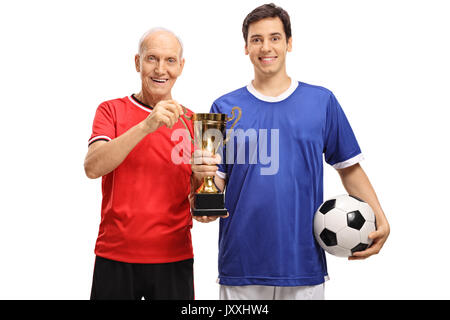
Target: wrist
196	180
381	218
197	177
144	127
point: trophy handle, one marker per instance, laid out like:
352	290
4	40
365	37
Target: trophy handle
184	114
188	119
233	116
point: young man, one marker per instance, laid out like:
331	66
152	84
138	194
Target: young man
266	246
144	244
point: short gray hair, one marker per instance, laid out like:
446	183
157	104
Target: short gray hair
153	30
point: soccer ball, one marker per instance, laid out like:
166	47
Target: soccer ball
342	225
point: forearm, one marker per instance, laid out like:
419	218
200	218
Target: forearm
108	156
357	183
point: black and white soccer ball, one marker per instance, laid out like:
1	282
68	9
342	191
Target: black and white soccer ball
342	225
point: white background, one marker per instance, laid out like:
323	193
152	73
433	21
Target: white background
386	61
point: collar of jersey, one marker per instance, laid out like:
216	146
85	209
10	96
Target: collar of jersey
281	97
139	104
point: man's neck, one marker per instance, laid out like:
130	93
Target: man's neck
149	99
272	86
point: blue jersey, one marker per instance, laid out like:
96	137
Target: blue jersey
273	164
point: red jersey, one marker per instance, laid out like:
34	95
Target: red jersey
145	214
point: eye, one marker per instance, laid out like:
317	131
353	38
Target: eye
275	38
255	40
172	60
151	58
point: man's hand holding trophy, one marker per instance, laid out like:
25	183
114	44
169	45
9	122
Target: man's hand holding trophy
208	201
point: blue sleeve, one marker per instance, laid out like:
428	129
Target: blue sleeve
340	142
222	167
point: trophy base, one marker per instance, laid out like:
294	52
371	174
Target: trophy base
209	204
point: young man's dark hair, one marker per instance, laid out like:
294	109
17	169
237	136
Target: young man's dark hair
267	11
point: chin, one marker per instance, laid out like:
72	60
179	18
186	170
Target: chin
159	90
267	72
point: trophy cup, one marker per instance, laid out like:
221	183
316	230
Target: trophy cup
209	133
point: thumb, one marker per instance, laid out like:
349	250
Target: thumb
374	235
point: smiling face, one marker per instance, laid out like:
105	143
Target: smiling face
267	46
159	63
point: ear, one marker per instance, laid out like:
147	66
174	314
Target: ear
289	45
182	65
137	62
246	50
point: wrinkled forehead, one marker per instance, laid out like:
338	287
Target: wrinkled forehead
162	43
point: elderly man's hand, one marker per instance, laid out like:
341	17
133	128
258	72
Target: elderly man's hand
166	112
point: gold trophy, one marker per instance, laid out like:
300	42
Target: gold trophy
209	133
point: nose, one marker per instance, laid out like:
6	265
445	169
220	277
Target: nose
266	46
160	67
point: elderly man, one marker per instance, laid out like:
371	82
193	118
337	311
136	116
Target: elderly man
144	247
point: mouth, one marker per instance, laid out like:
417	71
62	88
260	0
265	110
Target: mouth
159	80
267	60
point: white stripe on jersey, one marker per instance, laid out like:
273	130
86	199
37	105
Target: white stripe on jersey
349	162
98	138
138	105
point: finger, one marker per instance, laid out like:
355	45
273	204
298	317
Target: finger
207	219
205	162
202	168
179	106
199	219
199	155
202	175
173	115
208	160
217	158
163	120
379	238
170	115
352	258
169	110
375	234
225	216
368	252
202	153
173	107
359	255
214	218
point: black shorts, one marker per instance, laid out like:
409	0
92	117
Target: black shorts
134	281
